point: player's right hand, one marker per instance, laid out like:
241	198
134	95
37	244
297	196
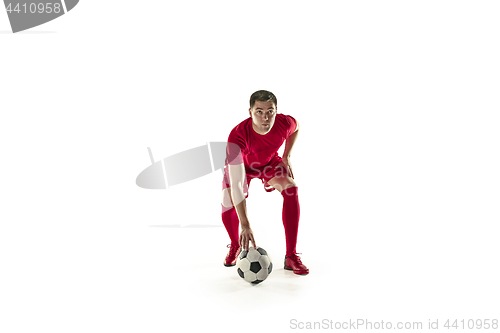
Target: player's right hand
246	237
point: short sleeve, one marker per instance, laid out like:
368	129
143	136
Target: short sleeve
234	149
292	125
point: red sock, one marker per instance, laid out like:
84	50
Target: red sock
291	214
232	223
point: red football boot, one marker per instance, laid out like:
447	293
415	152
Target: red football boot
232	255
292	262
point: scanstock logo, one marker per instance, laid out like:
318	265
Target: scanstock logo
184	166
27	14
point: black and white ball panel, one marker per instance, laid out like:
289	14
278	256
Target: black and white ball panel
254	265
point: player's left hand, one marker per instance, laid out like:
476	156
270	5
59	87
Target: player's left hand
285	162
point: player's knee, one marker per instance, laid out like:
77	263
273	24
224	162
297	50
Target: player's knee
290	191
282	186
289	182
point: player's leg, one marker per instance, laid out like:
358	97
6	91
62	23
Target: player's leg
291	209
282	181
291	215
229	217
231	223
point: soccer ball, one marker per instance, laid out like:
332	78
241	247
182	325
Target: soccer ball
254	265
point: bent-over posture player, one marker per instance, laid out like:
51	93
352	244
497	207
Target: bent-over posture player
252	152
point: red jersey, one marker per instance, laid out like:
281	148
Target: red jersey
258	151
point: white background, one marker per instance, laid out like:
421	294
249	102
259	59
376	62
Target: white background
397	163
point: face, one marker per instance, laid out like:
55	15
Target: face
263	115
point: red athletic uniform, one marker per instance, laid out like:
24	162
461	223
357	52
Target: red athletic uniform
259	153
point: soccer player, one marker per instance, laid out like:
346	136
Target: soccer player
252	152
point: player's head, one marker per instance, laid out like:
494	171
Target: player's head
263	107
263	96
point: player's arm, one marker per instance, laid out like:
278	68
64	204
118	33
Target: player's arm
290	141
237	177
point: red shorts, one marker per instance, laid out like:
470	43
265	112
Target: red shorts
265	174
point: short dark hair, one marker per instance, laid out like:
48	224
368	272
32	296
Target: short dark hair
263	96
